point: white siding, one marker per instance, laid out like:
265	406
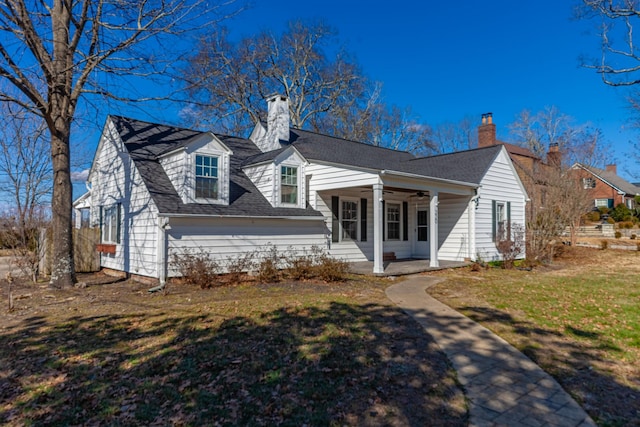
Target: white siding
116	180
262	177
324	177
222	238
453	227
500	184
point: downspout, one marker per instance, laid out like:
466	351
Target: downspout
161	257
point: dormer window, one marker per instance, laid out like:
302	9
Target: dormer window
206	177
289	185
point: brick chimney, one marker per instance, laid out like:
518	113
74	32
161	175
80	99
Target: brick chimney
554	157
612	168
486	131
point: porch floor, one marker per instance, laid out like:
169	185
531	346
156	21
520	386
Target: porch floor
401	267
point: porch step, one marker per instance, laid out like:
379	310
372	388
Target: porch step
389	256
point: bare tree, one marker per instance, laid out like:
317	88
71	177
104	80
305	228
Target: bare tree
577	142
450	137
57	52
619	62
327	93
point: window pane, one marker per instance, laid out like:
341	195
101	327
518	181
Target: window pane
393	222
206	177
349	220
289	184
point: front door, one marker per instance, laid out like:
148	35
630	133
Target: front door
421	248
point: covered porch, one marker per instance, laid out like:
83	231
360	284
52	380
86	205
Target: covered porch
403	267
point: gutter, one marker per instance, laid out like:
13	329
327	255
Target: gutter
293	218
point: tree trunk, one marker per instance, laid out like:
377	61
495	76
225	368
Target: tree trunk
62	269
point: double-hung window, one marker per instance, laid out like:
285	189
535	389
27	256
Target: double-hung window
206	177
289	185
588	183
111	224
349	220
393	221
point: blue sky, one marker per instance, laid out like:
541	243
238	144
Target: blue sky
448	60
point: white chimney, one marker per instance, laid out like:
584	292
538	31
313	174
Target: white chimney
278	118
277	131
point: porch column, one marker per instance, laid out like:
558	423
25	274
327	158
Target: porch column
472	228
378	215
433	229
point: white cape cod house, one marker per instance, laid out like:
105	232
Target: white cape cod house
156	190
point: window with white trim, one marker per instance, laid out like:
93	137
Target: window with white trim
289	185
501	219
206	177
349	220
604	203
111	224
588	183
393	221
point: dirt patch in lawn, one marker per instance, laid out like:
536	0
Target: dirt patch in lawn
304	353
578	318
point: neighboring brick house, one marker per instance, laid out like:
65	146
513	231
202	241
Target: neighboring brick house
606	187
531	169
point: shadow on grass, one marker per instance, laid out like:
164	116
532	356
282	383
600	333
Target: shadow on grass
569	357
339	364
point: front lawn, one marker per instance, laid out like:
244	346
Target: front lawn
287	354
578	318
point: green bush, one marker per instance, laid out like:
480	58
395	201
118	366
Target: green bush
611	220
618	235
620	212
603	210
625	224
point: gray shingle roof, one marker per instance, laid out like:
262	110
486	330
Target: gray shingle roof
614	180
146	141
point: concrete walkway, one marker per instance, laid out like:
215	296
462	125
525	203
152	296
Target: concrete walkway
503	386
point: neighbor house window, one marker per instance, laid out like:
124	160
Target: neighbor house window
393	221
289	185
111	224
349	220
588	183
206	177
604	203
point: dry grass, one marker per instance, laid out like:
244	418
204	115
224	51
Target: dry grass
303	353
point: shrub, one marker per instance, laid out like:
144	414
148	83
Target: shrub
604	244
620	212
593	216
197	268
510	246
269	265
331	269
603	210
611	220
633	237
301	267
625	224
238	266
618	235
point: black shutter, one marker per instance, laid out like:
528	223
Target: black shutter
493	219
384	216
508	220
363	220
405	221
335	221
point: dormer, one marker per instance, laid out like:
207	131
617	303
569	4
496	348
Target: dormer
199	171
278	121
281	179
